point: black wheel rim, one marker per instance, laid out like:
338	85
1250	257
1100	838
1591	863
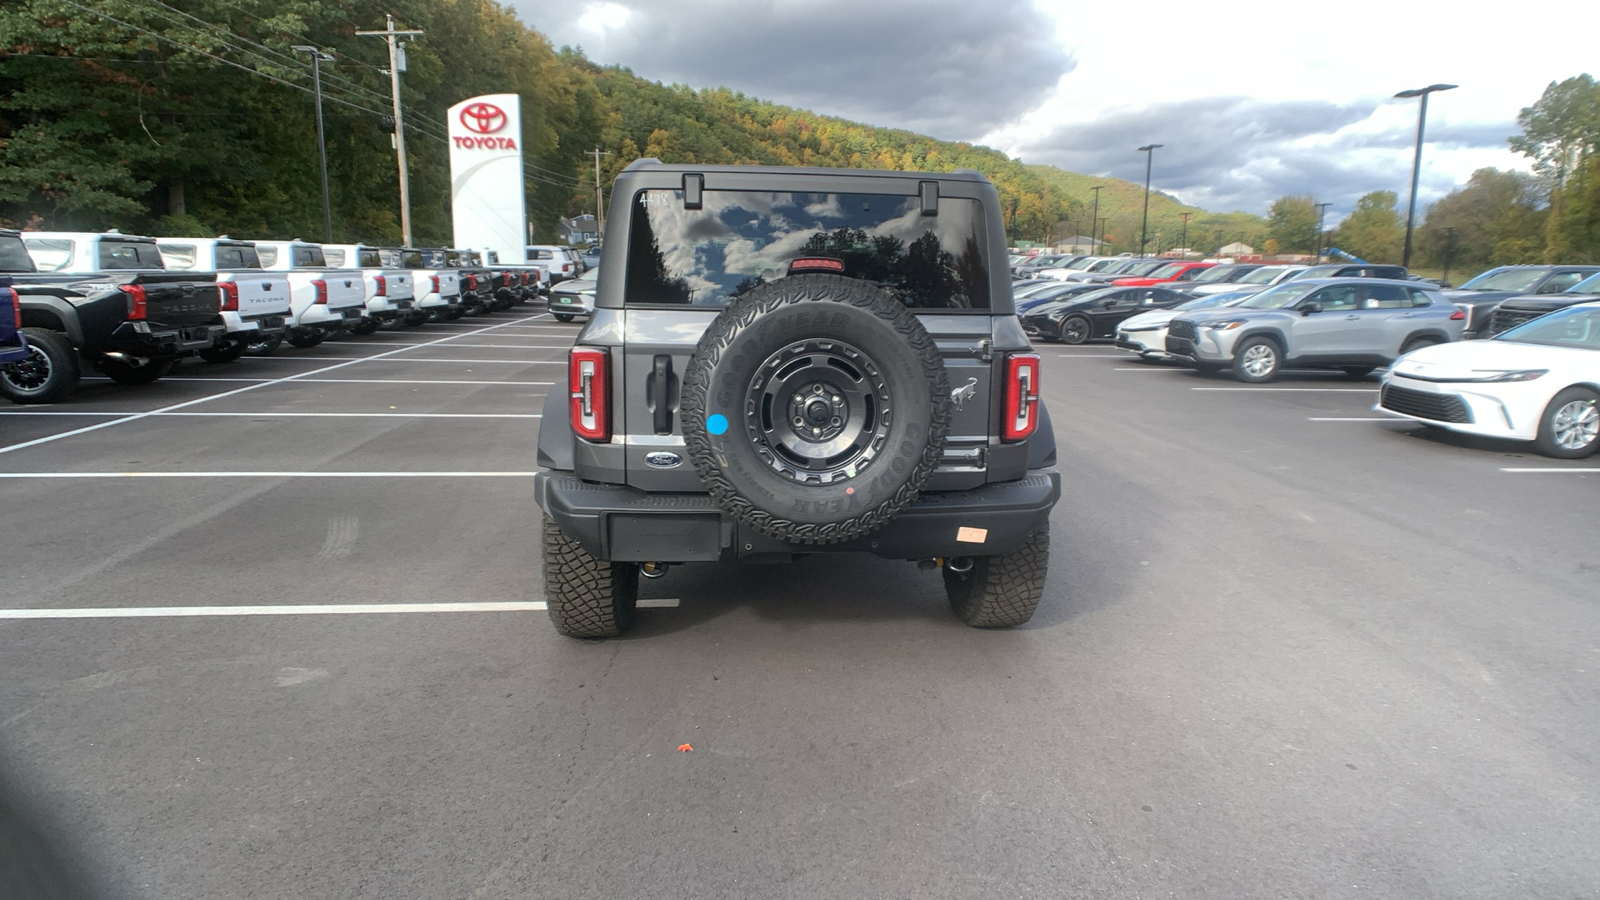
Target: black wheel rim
28	375
818	411
1075	331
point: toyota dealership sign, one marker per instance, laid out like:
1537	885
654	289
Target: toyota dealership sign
486	185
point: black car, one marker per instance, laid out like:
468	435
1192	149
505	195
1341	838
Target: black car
1095	314
1481	295
1057	291
1513	311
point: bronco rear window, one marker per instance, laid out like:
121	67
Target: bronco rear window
742	239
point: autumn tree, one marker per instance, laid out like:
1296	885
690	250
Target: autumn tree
1374	231
1292	222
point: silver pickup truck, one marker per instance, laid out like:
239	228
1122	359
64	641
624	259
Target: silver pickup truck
255	303
389	289
324	300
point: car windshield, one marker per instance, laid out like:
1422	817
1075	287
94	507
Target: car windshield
1081	264
1168	270
1517	280
1140	269
1028	289
1318	272
1590	285
1205	302
1263	275
1278	297
1215	274
1575	326
740	240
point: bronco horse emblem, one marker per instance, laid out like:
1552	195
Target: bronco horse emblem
966	392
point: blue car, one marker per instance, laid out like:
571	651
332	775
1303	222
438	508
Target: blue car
13	346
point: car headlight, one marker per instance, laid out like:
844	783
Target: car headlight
1522	375
1228	325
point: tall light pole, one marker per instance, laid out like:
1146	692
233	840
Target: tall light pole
1416	165
397	64
1184	241
1149	151
1316	245
1449	247
317	59
1103	230
1094	219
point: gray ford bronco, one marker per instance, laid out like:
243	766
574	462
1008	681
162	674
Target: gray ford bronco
792	361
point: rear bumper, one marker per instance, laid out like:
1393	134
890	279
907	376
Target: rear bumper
266	325
142	340
619	523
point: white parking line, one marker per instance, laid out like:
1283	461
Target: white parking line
177	406
1146	369
310	609
1093	355
388	357
278	415
26	475
1401	420
1542	470
171	378
1290	390
509	346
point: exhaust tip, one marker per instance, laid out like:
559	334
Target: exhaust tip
960	565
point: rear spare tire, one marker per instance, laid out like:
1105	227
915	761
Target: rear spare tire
815	408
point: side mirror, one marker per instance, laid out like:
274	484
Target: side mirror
1108	303
1307	309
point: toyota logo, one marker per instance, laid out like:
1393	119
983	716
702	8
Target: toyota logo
483	118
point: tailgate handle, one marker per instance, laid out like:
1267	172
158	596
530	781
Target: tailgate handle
659	393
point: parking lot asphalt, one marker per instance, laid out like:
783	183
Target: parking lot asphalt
1286	650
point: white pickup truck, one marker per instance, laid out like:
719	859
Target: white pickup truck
390	294
255	304
436	286
324	300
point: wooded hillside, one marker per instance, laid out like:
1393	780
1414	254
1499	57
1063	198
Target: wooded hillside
197	116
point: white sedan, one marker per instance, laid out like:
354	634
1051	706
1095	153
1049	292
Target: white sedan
1537	382
1146	333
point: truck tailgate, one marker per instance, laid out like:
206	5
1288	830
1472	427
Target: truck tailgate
177	300
260	294
345	289
398	284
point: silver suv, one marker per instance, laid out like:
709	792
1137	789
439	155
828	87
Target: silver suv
1354	324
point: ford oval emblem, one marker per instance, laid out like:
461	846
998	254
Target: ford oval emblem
661	459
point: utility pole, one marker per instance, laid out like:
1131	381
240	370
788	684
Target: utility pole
397	64
317	58
599	194
1184	242
1094	219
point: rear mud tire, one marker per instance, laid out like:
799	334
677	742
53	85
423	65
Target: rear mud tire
305	340
563	317
265	347
586	597
49	375
757	468
365	326
1001	591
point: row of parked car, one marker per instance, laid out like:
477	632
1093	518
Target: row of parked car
1536	377
132	306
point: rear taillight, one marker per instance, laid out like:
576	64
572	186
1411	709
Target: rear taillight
16	307
1458	315
435	280
230	296
322	291
1021	414
588	383
472	282
383	285
137	301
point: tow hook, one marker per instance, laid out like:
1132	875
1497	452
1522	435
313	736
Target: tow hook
960	565
654	569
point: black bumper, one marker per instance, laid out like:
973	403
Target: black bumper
146	340
623	524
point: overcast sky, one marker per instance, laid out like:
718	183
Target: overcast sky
1250	106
